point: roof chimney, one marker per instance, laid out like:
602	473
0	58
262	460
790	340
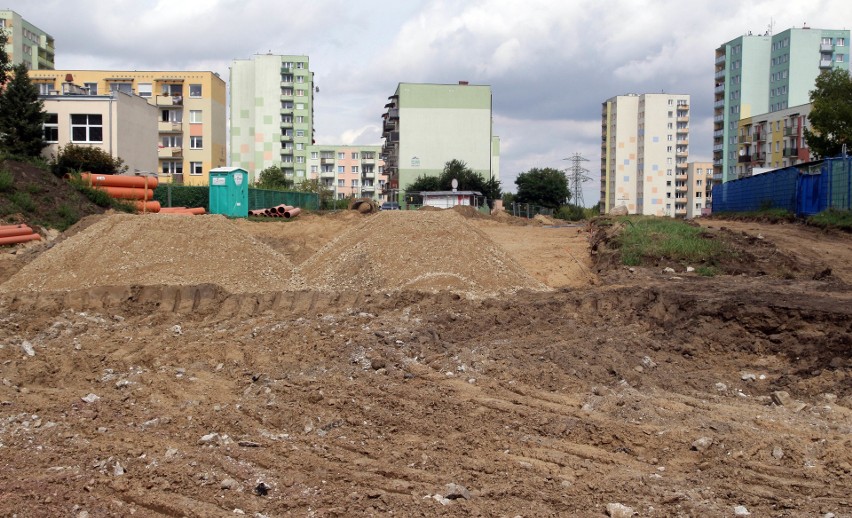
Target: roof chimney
69	78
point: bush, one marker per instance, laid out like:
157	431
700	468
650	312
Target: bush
75	159
183	195
23	200
6	181
570	213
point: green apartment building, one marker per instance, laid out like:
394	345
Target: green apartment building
272	114
427	125
26	42
758	74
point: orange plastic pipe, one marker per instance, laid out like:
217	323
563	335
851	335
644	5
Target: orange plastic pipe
7	227
147	206
171	209
292	213
20	231
112	180
11	240
197	210
128	193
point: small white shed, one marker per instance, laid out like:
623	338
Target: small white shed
449	199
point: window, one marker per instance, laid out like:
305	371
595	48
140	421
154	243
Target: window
195	117
287	159
173	141
51	128
354	183
341	169
355	155
172	116
173	167
314	169
173	89
195	142
669	138
839	58
300	106
286	78
300	119
300	93
195	90
668	149
44	88
300	133
354	168
121	87
841	42
698	182
87	128
195	169
300	79
286	105
300	160
300	146
381	169
300	65
145	89
93	88
671	114
341	183
341	155
314	155
698	194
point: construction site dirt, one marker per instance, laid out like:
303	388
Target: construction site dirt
419	364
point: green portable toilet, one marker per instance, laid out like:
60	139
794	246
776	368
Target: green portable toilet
229	191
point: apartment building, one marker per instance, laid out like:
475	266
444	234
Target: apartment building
427	125
272	114
644	154
699	188
349	171
120	123
772	140
191	124
759	74
26	42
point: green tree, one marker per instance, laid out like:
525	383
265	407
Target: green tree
4	59
73	159
547	187
21	116
274	177
831	115
468	180
326	196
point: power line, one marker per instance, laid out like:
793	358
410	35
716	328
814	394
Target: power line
576	176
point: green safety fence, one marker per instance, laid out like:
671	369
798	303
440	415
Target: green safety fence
199	196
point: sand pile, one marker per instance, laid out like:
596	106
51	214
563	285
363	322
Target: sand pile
157	250
419	250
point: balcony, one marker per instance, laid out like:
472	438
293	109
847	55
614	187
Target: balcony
286	138
791	152
826	47
327	174
718	147
366	161
169	152
720	75
681	165
680	212
720	59
683	118
287	124
744	159
326	161
392	136
719	89
287	96
682	142
719	104
682	130
744	139
393	113
681	153
681	188
169	127
790	131
368	188
719	133
758	137
719	118
825	63
759	157
168	100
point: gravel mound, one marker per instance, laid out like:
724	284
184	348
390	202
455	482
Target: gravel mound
157	250
419	250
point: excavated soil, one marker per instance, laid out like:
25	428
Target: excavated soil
675	395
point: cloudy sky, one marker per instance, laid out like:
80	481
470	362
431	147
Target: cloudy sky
550	63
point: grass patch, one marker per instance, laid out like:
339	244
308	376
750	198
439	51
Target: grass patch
707	271
23	200
768	215
648	238
67	217
833	218
6	181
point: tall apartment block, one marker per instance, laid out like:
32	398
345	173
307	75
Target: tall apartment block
699	188
349	171
26	42
191	121
758	74
644	153
272	114
427	125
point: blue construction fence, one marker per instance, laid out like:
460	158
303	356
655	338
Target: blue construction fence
805	190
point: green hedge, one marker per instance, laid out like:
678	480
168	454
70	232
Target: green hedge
183	196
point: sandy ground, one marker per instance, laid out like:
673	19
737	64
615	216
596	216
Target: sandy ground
672	395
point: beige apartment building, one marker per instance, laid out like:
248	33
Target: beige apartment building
349	171
644	153
699	188
190	120
121	124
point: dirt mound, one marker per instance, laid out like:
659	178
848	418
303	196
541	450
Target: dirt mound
422	250
128	250
466	211
37	197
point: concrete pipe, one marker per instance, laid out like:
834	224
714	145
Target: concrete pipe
292	213
11	240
